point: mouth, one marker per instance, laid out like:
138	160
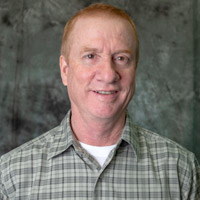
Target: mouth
105	92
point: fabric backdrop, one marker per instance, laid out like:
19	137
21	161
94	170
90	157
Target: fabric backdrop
33	99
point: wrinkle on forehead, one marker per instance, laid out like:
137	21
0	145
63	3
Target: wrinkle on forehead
103	33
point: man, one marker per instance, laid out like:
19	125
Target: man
97	152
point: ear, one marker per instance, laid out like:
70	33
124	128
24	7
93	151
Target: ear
63	69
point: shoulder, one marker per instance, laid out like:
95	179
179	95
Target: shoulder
170	160
161	145
34	147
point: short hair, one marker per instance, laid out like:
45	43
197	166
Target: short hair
94	9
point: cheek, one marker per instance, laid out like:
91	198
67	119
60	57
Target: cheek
129	87
128	80
80	77
85	74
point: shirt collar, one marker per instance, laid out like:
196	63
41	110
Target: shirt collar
62	136
130	134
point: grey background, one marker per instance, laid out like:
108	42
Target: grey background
33	99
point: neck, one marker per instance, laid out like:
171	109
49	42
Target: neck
101	132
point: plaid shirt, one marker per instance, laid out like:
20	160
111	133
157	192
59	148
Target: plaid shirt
144	165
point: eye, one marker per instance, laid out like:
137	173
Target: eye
122	60
90	56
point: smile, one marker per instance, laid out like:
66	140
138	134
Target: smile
106	92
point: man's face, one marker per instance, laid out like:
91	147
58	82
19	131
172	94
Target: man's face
100	70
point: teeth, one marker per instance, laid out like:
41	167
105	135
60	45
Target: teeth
105	92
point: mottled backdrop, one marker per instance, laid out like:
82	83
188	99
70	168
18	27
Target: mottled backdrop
33	100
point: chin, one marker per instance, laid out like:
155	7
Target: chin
105	114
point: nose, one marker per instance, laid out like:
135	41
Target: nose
107	72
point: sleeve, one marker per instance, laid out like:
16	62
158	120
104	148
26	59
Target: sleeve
195	186
3	193
192	182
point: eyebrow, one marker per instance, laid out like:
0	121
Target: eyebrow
124	51
88	49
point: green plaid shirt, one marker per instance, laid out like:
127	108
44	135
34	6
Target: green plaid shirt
144	165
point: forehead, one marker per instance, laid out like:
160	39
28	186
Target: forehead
92	29
98	22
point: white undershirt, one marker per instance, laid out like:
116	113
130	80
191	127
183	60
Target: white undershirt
100	153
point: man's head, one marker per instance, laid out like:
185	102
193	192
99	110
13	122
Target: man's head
90	11
98	64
